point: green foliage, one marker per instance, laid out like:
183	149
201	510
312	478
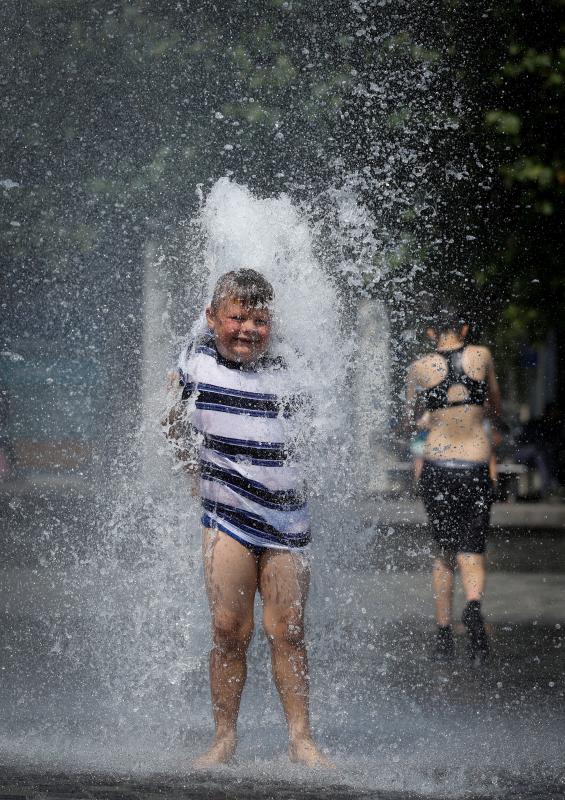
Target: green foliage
524	72
124	107
504	122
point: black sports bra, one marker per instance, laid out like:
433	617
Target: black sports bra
436	396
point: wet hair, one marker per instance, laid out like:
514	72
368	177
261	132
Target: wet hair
245	285
448	318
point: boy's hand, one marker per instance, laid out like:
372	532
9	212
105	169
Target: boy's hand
172	381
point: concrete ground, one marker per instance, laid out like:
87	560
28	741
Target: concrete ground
104	681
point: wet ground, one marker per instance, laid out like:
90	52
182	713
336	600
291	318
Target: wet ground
64	786
104	696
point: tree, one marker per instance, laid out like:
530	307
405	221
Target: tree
523	268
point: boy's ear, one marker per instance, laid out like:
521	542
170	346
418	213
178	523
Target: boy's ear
464	332
210	317
431	334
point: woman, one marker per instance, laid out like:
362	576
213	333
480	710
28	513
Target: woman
458	387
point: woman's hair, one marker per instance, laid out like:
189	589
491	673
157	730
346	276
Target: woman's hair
448	318
245	285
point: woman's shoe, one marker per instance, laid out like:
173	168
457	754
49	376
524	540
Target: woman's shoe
478	643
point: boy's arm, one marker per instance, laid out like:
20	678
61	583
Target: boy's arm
172	421
177	426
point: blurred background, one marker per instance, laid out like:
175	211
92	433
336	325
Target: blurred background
443	116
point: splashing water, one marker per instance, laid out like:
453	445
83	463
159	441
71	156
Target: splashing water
131	628
271	236
106	634
144	587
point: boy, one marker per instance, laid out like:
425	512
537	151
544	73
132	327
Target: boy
254	510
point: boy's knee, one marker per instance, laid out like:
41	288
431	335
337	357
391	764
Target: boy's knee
231	632
286	627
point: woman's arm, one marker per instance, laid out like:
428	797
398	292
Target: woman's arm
494	409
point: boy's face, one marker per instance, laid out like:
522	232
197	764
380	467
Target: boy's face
241	333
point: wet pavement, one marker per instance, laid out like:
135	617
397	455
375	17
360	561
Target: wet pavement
104	695
85	786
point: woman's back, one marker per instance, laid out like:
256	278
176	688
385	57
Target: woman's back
454	383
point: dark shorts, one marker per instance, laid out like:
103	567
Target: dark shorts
457	501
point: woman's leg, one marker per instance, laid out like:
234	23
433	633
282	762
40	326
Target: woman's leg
230	571
472	568
436	491
284	578
442	585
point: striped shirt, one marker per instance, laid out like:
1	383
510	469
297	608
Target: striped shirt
250	487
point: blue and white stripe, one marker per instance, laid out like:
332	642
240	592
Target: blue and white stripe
250	489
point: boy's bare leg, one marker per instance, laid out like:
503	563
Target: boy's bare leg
231	582
283	582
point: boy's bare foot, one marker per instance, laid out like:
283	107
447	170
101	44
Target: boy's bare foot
303	750
221	751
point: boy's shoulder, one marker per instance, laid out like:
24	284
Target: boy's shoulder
203	344
200	345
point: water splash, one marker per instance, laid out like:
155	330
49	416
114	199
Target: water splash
150	622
